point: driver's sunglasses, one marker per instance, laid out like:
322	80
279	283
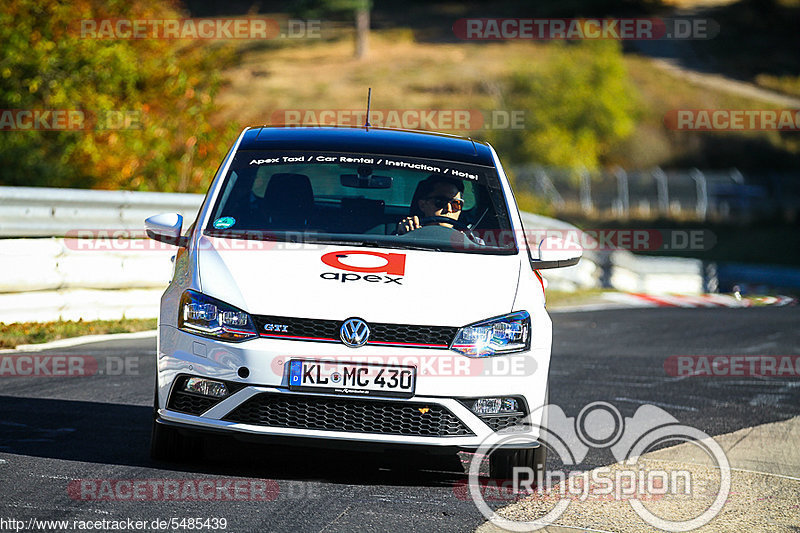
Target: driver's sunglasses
441	201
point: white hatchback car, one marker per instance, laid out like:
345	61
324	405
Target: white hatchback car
354	286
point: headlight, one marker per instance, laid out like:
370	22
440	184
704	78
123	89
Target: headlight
203	315
496	336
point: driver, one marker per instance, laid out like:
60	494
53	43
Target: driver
436	196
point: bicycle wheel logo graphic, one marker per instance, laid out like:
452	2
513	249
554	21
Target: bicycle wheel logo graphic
600	425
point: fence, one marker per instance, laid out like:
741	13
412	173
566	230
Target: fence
692	193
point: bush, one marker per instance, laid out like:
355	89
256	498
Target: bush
169	86
578	104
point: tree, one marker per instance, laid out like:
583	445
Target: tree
362	28
578	103
166	86
359	9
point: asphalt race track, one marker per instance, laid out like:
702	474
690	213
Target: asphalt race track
57	431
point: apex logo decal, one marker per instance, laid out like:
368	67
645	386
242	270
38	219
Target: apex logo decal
393	265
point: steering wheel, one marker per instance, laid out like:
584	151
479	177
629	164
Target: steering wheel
430	221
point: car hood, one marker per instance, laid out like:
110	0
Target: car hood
375	284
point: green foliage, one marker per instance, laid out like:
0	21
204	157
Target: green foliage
784	84
12	335
578	104
167	88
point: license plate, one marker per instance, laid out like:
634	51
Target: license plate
352	379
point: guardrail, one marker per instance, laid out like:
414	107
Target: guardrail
43	279
49	275
46	212
617	269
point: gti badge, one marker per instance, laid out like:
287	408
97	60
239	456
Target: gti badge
354	332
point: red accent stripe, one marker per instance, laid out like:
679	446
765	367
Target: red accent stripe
540	279
408	344
292	337
231	330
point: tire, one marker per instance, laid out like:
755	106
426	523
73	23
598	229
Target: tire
164	443
503	462
168	444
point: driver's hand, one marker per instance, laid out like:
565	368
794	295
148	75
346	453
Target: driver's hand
408	224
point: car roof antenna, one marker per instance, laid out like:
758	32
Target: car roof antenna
369	100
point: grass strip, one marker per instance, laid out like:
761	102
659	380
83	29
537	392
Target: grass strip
12	335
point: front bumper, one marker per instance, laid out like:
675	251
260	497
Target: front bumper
437	394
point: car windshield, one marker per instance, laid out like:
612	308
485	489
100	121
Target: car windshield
360	199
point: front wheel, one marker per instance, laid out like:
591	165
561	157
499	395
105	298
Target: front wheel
164	445
167	443
502	463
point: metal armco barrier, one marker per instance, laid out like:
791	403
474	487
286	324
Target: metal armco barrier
45	276
46	212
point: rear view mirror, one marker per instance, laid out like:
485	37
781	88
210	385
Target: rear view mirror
365	182
555	252
166	228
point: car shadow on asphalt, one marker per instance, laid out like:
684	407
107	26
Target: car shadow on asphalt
119	434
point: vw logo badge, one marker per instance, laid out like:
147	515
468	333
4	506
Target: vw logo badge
354	332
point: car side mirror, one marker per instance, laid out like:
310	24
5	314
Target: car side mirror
166	228
555	252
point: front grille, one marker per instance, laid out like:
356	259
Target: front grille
345	414
313	329
193	404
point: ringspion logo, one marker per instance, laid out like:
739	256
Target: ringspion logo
599	425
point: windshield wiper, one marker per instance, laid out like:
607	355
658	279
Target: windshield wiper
373	244
244	234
